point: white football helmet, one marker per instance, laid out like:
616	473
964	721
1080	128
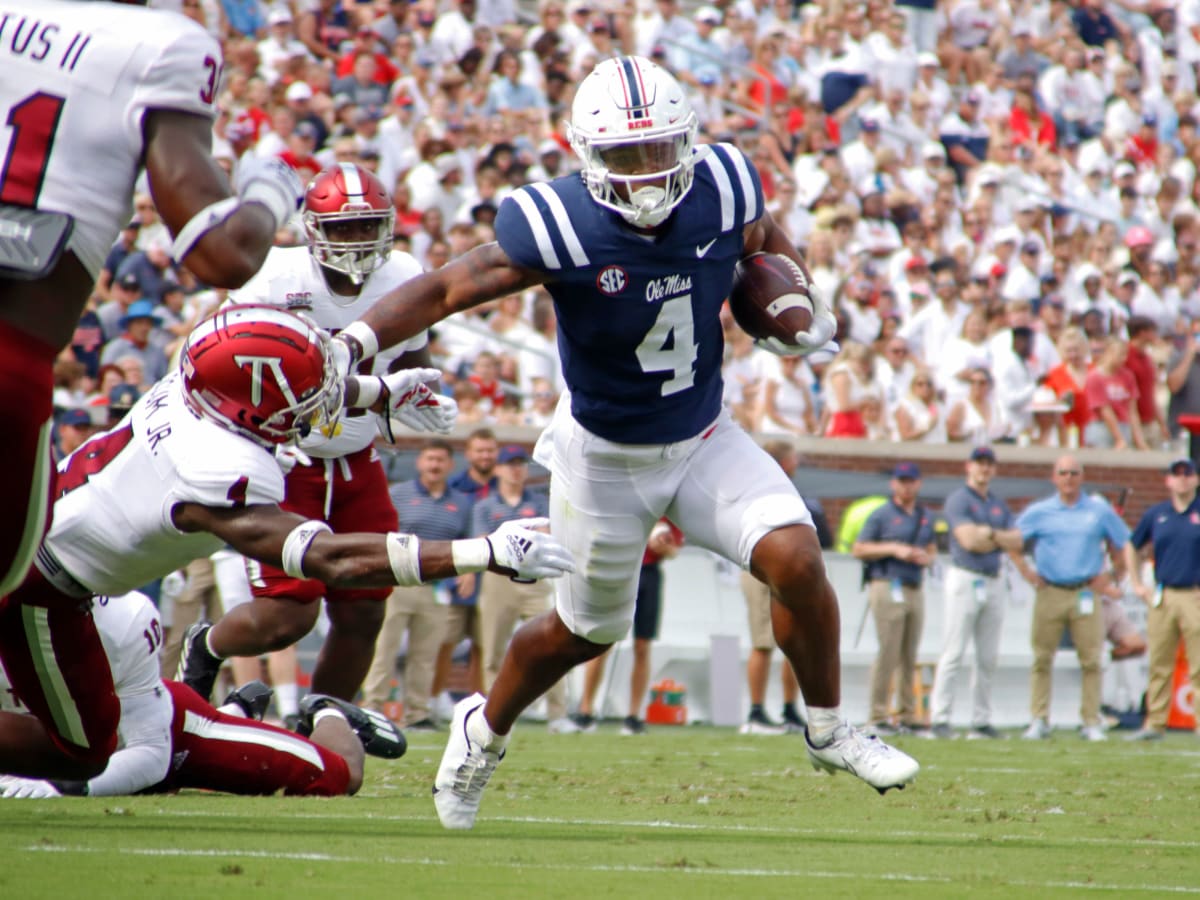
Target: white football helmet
634	129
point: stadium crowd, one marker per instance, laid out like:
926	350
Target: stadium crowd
999	196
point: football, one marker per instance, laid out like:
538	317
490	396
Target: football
771	297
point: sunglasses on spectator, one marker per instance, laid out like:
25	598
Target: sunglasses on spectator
1070	471
984	381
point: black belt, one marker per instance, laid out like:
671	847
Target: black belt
976	571
1070	585
1181	587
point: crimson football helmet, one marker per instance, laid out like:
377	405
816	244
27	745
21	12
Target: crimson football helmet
262	372
346	193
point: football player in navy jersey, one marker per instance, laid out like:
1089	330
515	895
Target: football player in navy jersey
638	252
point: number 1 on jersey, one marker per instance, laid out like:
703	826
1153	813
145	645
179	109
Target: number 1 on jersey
674	323
33	121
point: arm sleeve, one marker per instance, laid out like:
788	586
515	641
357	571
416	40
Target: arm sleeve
145	754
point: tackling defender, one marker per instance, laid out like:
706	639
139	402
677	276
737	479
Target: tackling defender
92	94
347	265
638	253
192	467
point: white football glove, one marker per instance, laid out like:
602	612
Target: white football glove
13	787
528	553
288	456
339	355
818	337
423	411
271	182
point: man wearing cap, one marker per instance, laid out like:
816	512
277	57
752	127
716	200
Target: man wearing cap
301	147
981	527
700	54
858	156
150	266
896	546
503	602
1071	532
74	428
121	399
125	292
280	46
936	324
1172	529
964	135
135	340
432	510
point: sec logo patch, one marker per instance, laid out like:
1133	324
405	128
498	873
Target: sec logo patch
611	280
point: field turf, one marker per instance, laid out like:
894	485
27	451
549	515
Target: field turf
685	812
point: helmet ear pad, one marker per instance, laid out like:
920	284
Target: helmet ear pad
632	103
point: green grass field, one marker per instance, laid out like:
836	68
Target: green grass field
685	812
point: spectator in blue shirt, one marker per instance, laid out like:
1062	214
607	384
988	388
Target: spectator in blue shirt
1071	531
1172	531
1094	26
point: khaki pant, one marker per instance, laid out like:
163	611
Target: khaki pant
758	612
1054	608
411	609
1178	616
200	599
502	603
898	626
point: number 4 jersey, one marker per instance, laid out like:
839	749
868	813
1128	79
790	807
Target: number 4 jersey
78	79
639	328
112	526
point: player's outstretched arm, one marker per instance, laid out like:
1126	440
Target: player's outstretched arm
309	549
223	238
482	274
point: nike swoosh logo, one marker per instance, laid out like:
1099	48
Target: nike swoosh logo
701	249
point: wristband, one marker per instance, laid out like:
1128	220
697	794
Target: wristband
359	336
370	389
473	555
404	555
202	223
296	544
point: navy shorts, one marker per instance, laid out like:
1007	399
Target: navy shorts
649	597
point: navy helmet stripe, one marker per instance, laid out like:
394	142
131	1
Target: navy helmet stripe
633	81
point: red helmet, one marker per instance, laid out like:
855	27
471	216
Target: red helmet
262	372
345	192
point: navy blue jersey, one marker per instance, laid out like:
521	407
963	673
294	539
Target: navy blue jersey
639	329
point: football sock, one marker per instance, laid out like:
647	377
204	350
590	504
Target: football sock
287	700
789	711
822	722
326	713
208	645
756	710
481	733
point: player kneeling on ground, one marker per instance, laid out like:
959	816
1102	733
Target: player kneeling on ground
170	739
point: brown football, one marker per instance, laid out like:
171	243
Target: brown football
771	297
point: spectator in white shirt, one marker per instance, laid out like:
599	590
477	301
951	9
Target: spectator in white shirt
931	328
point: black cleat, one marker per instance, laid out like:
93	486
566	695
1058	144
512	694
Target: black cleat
378	735
198	668
253	697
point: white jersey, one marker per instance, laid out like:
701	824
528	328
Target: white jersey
112	526
291	278
78	78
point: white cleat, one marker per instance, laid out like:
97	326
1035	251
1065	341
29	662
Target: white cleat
849	750
465	768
